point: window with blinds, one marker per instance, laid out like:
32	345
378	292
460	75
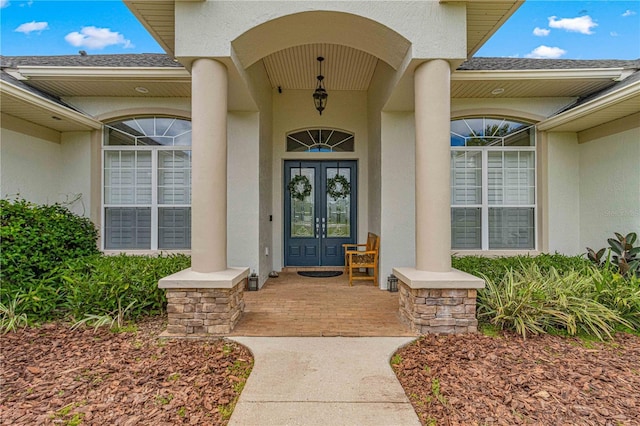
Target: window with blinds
147	184
493	184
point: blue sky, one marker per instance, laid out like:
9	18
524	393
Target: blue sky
601	29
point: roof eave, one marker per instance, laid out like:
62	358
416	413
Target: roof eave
9	91
604	102
104	73
548	74
473	49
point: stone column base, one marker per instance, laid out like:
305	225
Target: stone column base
204	304
438	302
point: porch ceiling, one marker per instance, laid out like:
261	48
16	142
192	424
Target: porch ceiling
344	68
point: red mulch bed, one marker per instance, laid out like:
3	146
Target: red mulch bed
545	380
54	375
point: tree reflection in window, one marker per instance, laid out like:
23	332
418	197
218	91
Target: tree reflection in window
489	131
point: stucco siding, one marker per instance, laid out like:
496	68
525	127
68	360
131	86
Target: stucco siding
76	174
563	206
609	187
101	106
30	167
263	93
242	190
435	30
529	108
397	237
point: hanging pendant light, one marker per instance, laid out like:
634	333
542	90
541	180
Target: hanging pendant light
320	94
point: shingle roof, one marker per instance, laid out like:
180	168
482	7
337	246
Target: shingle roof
162	60
125	60
520	64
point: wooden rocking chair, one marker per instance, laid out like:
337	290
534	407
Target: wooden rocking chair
355	258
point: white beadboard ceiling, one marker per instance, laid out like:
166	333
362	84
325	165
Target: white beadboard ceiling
344	68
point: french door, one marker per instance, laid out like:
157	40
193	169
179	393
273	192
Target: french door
320	211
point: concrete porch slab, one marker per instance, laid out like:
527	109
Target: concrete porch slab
188	278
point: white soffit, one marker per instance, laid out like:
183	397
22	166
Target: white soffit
612	106
30	107
484	18
158	18
344	68
109	81
532	83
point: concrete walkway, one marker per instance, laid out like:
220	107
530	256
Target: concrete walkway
323	381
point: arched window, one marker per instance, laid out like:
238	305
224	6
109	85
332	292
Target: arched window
493	184
320	140
147	184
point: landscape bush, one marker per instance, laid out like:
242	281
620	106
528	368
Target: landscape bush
102	285
495	268
51	269
621	255
94	285
35	239
619	293
533	299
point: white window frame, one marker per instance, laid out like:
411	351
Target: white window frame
485	206
154	206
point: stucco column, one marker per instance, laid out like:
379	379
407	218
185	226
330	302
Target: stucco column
209	166
432	82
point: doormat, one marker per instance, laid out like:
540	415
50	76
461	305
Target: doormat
320	274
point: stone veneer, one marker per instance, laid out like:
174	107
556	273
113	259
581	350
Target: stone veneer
204	311
428	310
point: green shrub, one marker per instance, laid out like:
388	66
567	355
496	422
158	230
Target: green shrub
52	269
623	295
123	286
103	285
495	268
36	239
532	300
621	255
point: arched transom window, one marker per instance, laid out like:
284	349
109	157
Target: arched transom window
147	184
493	184
320	140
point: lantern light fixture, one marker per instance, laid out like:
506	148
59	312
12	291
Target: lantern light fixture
320	94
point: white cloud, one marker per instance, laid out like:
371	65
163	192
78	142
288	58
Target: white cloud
541	32
29	27
581	24
628	13
614	34
546	52
97	38
4	3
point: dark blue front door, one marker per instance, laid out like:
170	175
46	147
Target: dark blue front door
316	225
